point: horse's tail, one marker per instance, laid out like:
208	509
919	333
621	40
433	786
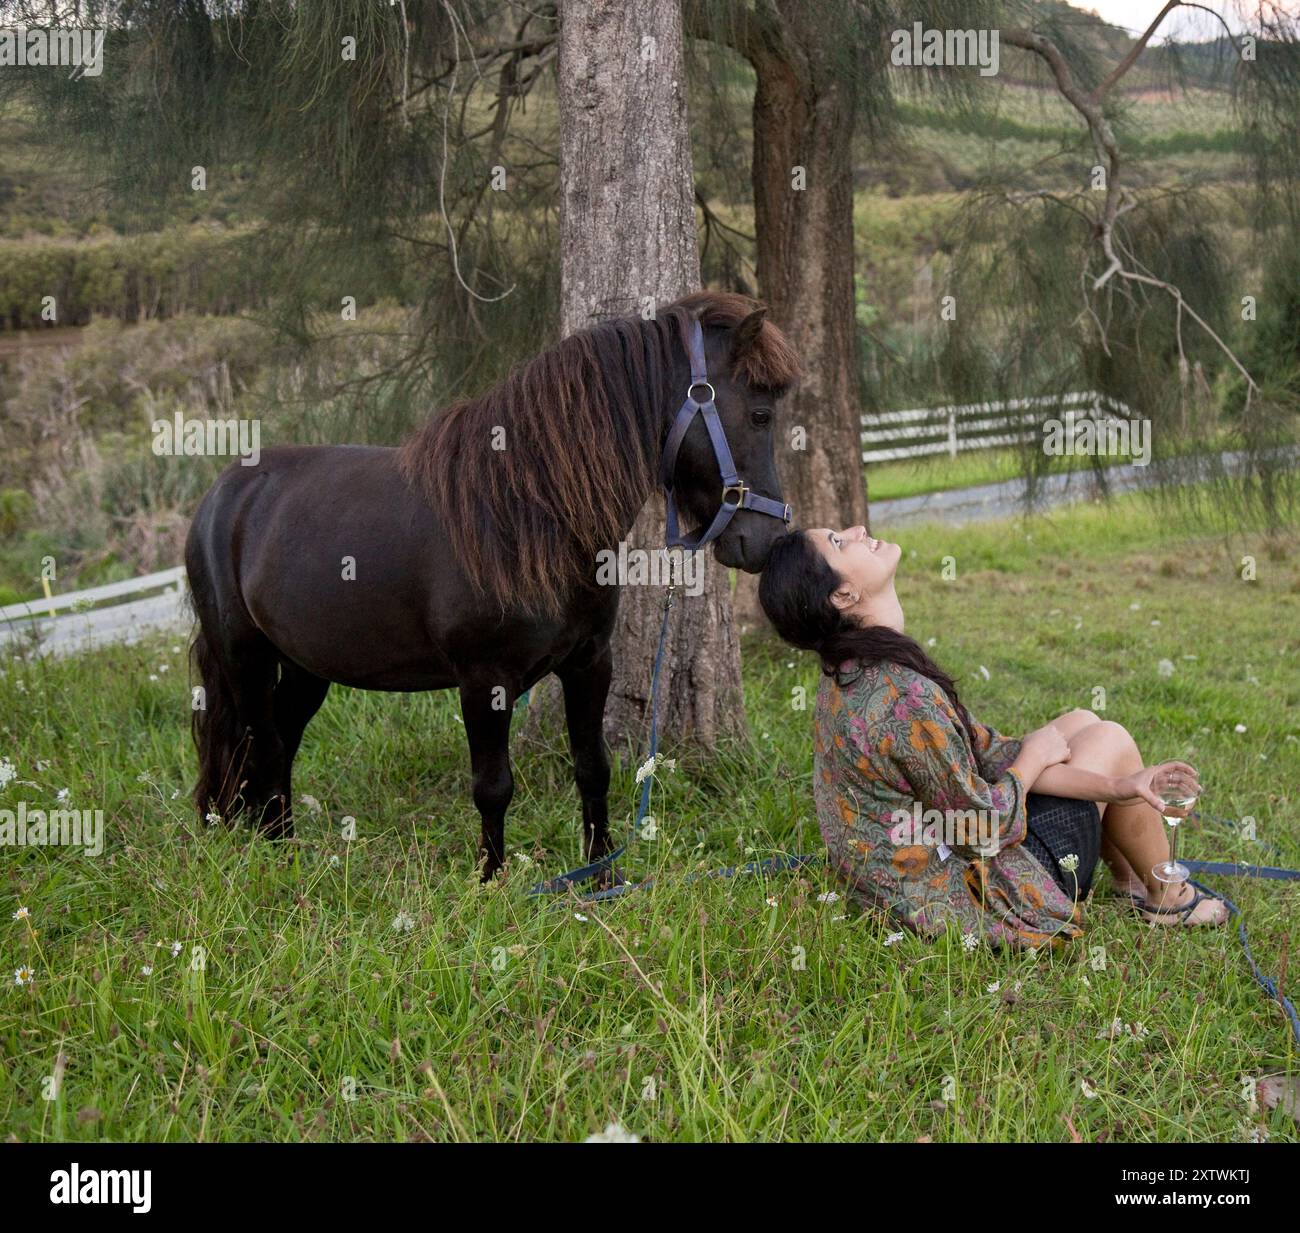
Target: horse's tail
215	725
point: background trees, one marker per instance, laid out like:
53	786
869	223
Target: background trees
386	187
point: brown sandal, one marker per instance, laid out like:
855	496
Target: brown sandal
1182	910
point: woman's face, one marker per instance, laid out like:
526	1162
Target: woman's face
866	568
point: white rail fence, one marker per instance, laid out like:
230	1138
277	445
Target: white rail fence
67	623
926	431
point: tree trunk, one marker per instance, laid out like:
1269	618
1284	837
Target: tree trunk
804	114
628	243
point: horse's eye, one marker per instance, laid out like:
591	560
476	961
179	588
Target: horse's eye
761	418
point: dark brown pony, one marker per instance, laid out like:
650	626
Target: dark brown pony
467	558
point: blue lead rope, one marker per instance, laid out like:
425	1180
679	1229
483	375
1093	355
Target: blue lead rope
585	873
1272	872
1267	983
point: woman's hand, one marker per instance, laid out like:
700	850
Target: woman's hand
1046	745
1137	787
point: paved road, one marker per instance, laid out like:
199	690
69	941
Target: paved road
1006	499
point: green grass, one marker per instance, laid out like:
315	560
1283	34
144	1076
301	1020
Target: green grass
696	1011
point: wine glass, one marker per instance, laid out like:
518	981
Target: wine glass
1178	790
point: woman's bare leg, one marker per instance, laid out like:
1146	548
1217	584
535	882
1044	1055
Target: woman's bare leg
1072	724
1136	833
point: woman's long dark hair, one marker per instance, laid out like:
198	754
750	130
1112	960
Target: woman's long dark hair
795	591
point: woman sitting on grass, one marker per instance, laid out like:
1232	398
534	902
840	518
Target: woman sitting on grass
892	740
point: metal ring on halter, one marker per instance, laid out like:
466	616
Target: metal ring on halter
713	394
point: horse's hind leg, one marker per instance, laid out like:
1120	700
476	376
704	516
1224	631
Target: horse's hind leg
251	666
586	688
487	711
298	696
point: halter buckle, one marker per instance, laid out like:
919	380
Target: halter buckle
741	489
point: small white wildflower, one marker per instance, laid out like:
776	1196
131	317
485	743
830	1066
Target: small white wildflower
1156	621
1135	606
7	772
1139	1030
164	667
772	901
995	986
841	917
646	768
613	1133
63	795
1240	728
24	976
578	916
212	819
893	938
1165	667
1069	863
153	676
176	949
828	897
523	858
1115	1029
1087	1089
403	922
1258	1134
310	801
176	650
146	970
969	941
176	793
334	861
22	914
984	672
42	765
932	642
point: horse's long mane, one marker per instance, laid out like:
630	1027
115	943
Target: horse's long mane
534	477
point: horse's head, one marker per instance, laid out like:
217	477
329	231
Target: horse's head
748	366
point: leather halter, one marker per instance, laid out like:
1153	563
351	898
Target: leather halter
736	495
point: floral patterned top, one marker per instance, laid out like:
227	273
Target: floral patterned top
890	740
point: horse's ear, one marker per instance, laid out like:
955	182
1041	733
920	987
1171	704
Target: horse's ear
746	336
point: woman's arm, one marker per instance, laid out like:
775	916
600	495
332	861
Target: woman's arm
1080	785
1075	783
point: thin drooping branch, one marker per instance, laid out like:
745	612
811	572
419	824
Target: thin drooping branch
1136	50
1117	200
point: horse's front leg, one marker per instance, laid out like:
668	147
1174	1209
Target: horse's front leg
486	710
586	686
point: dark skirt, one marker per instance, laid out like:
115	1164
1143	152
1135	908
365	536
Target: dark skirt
1058	827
